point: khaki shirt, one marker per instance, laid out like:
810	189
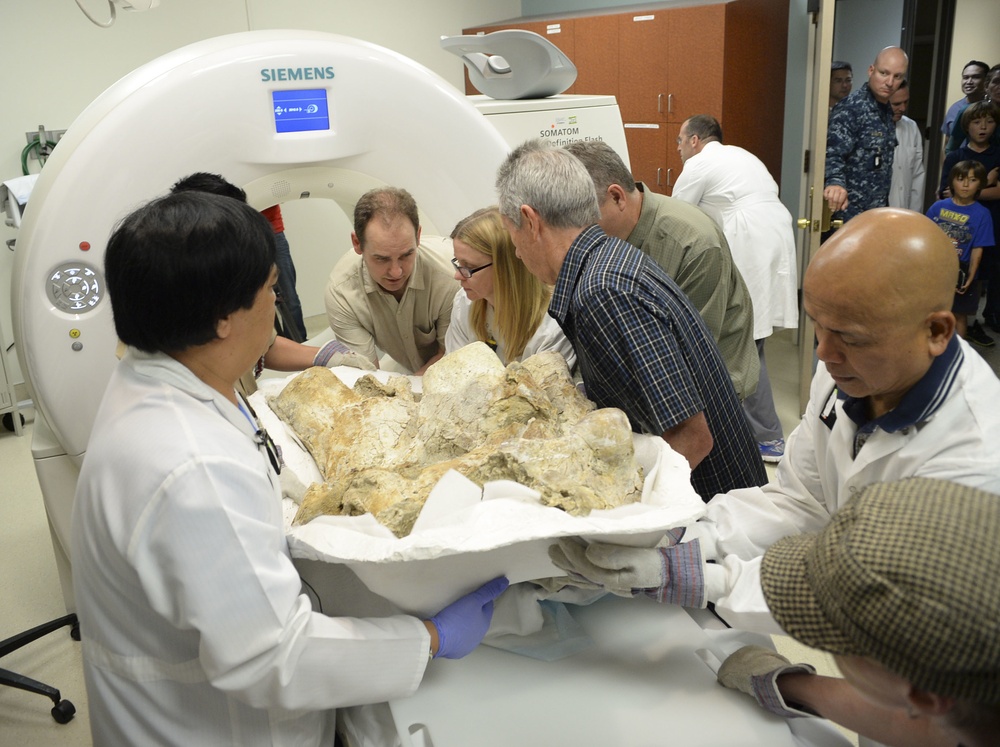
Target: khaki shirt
693	251
365	317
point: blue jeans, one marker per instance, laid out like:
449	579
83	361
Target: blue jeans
291	307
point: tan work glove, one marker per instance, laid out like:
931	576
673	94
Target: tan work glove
336	353
754	670
669	572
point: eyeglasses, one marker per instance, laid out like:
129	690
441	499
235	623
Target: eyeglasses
466	272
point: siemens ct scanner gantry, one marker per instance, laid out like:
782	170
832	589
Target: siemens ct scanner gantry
294	115
286	115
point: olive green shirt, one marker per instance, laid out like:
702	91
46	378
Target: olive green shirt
693	251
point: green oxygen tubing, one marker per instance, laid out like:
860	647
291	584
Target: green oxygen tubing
43	147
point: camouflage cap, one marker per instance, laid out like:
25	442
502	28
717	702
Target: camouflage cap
908	574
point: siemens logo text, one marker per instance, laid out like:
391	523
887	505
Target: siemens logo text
269	74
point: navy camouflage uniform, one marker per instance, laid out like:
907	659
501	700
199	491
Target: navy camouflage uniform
859	151
642	347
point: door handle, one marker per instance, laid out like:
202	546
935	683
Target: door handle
828	222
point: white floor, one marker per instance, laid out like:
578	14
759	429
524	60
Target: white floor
30	592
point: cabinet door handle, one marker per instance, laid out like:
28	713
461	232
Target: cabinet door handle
670	103
659	103
670	176
658	173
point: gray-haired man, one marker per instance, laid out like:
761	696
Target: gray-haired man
641	345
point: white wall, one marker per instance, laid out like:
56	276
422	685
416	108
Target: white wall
57	62
862	29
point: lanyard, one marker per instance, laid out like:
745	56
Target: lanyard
261	437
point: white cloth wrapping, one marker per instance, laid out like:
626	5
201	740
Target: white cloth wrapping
19	189
735	188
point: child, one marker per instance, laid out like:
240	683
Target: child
969	226
980	121
959	135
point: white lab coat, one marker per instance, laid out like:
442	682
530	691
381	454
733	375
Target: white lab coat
907	188
734	187
818	476
548	336
194	628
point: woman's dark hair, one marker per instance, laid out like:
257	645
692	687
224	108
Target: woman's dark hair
178	265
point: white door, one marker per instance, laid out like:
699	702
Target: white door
811	215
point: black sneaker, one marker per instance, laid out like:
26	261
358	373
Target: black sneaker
978	336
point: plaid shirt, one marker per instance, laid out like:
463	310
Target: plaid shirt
643	348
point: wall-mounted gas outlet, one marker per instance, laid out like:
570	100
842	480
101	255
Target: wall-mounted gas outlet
44	137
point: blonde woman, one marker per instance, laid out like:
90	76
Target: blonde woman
500	302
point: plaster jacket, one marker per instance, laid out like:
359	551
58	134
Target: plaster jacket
735	188
195	629
957	441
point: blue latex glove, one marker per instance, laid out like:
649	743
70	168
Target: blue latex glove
463	623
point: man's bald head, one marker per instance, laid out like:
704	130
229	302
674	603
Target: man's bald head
887	73
880	293
889	258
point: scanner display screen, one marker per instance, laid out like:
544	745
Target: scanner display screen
301	110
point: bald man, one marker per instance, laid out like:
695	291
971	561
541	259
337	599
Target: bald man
861	141
899	395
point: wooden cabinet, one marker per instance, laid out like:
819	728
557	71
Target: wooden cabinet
652	149
663	66
596	59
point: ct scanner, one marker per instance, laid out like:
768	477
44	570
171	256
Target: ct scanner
286	115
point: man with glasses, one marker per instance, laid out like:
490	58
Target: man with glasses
398	296
736	190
